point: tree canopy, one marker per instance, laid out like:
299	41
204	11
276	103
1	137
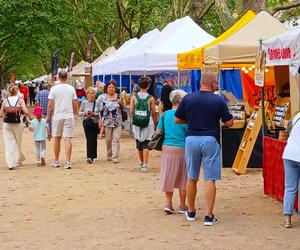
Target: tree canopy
32	30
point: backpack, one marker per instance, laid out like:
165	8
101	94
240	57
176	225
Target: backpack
141	116
12	113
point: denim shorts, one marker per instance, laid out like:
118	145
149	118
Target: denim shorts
203	150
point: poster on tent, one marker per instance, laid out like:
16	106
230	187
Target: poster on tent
181	80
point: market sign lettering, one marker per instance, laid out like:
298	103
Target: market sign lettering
279	53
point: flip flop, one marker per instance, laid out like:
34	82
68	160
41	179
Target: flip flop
287	224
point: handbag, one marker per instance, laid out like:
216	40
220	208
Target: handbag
89	122
124	115
157	138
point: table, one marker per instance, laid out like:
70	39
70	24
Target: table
231	139
273	169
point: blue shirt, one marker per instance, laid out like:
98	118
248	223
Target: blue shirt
202	112
42	98
40	131
174	133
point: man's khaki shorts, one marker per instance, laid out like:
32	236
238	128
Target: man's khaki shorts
63	128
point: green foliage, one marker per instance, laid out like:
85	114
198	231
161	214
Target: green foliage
31	30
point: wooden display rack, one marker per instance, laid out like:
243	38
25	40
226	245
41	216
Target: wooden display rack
247	143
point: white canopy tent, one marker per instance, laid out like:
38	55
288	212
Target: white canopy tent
183	35
115	66
242	46
157	52
44	78
284	50
101	66
106	54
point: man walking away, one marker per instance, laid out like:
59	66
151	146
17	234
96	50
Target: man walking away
202	112
63	104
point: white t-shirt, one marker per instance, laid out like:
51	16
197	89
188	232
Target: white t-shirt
292	149
12	100
63	95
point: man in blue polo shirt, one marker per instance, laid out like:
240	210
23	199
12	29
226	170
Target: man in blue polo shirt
202	112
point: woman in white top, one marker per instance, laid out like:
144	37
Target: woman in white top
143	135
291	159
13	132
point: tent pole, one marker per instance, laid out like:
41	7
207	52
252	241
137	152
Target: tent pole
111	77
120	83
221	134
178	79
130	79
104	79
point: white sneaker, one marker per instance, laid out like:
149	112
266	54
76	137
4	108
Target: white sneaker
116	160
144	169
68	165
109	158
55	164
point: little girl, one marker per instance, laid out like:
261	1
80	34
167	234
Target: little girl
41	133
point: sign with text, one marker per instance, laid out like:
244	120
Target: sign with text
259	77
210	68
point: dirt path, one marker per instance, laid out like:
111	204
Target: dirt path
107	206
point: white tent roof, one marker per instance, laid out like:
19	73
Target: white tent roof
78	69
242	46
42	78
283	49
182	36
158	51
125	61
108	52
100	67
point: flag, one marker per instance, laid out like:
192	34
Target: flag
12	77
89	49
71	61
54	64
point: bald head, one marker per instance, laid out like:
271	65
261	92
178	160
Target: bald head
209	81
63	75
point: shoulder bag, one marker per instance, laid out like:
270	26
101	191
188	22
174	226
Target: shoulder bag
158	137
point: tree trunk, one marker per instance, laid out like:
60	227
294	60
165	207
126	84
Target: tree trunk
224	13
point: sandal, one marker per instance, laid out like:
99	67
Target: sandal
287	224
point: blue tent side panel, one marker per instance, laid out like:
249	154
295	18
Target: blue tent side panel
231	81
195	80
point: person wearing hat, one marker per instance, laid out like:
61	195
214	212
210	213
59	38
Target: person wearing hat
202	112
81	94
40	130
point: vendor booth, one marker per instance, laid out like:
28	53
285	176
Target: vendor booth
283	52
155	52
236	49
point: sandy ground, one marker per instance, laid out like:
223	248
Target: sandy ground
107	206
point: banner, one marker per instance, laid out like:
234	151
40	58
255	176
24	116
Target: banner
89	49
284	49
54	64
71	61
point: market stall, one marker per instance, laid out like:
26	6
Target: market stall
281	51
236	49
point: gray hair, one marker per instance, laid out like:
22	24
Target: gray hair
176	96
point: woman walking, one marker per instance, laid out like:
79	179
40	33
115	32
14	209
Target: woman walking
172	166
291	159
142	108
13	126
90	113
110	117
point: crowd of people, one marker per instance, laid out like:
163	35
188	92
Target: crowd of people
190	124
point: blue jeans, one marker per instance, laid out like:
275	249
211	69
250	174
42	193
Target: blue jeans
205	150
291	183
